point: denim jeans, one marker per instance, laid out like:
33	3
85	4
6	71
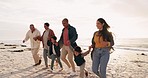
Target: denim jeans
100	60
53	57
46	56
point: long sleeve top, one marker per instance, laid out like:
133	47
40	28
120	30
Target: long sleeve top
30	35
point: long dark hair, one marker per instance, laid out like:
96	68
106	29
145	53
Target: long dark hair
107	36
104	32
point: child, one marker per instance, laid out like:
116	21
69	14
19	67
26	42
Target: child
80	61
54	52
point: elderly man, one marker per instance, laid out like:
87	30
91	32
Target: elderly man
33	34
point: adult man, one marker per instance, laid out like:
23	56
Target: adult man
47	34
33	34
68	42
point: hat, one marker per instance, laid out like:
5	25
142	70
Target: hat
54	37
78	49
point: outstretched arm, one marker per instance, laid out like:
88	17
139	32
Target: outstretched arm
27	37
87	52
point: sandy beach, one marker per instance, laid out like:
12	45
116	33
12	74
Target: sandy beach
16	62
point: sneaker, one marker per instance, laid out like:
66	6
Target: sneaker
39	62
73	73
86	73
67	70
35	64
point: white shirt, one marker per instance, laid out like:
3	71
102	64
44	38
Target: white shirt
53	50
45	39
30	35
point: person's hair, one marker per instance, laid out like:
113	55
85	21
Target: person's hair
47	24
104	32
54	37
31	25
65	19
78	49
105	25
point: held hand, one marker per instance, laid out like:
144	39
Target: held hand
92	46
68	42
35	38
89	48
38	38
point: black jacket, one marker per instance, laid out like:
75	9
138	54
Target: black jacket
72	36
79	60
56	48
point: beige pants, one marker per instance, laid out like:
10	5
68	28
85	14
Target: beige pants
35	55
68	50
82	69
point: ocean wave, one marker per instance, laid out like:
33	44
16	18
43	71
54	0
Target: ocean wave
133	49
125	48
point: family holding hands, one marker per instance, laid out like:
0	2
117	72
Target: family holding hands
67	50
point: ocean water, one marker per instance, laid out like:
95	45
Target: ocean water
16	42
134	44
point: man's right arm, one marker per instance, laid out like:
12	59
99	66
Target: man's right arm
27	37
60	41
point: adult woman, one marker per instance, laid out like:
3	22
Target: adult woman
102	42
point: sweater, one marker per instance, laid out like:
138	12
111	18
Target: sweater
30	35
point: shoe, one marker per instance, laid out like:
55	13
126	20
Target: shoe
86	73
68	70
39	62
73	73
35	64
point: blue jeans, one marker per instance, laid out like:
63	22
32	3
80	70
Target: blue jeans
53	57
45	55
100	60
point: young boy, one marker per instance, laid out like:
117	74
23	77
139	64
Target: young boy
80	61
54	52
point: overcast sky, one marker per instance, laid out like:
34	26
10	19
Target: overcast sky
127	18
